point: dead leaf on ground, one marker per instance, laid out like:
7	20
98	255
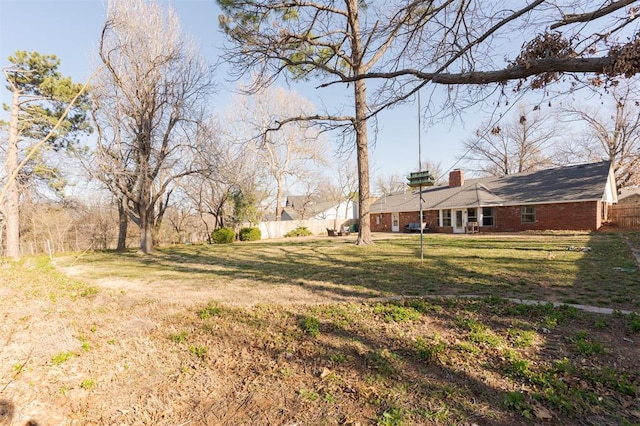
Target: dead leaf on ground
542	413
325	372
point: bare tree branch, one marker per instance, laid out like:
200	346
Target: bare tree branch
590	16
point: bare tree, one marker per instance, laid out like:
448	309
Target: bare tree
436	170
345	183
386	184
306	204
521	144
227	168
180	216
611	132
149	102
324	39
290	152
461	43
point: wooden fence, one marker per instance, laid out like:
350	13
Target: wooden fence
625	216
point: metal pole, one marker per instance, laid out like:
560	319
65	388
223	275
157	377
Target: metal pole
420	187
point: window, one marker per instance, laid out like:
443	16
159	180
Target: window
487	216
528	214
446	218
472	215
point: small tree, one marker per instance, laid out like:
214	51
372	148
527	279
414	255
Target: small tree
245	208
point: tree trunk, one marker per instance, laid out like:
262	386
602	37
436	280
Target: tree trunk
123	225
362	150
278	196
145	212
146	232
12	205
360	124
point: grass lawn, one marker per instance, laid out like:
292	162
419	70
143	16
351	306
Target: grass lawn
299	332
523	266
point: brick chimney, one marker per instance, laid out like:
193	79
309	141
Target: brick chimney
456	178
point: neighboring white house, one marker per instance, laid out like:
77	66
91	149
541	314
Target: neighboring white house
315	214
629	196
300	207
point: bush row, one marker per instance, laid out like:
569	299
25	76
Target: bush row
228	235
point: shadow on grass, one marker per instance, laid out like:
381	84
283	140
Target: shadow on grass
518	266
607	275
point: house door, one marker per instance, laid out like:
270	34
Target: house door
395	222
459	221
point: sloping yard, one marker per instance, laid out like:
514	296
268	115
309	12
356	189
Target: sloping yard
317	331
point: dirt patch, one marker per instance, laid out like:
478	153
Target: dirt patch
232	292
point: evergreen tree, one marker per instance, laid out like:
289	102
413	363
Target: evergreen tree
46	109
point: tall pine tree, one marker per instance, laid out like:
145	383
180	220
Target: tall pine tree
46	109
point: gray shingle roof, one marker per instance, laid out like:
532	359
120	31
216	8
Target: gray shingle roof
296	204
582	182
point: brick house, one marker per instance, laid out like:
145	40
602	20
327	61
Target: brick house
565	198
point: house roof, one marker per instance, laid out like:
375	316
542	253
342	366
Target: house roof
297	204
584	182
312	209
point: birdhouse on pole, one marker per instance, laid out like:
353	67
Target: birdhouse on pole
420	179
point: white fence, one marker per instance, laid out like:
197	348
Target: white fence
318	227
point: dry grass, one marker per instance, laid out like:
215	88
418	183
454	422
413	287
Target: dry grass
548	267
288	333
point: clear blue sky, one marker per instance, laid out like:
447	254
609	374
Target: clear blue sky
70	29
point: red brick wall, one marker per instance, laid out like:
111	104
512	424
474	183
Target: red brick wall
569	216
408	217
385	222
564	216
405	218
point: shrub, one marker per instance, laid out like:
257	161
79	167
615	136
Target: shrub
223	236
396	313
310	325
87	384
250	234
633	322
300	231
211	310
61	357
